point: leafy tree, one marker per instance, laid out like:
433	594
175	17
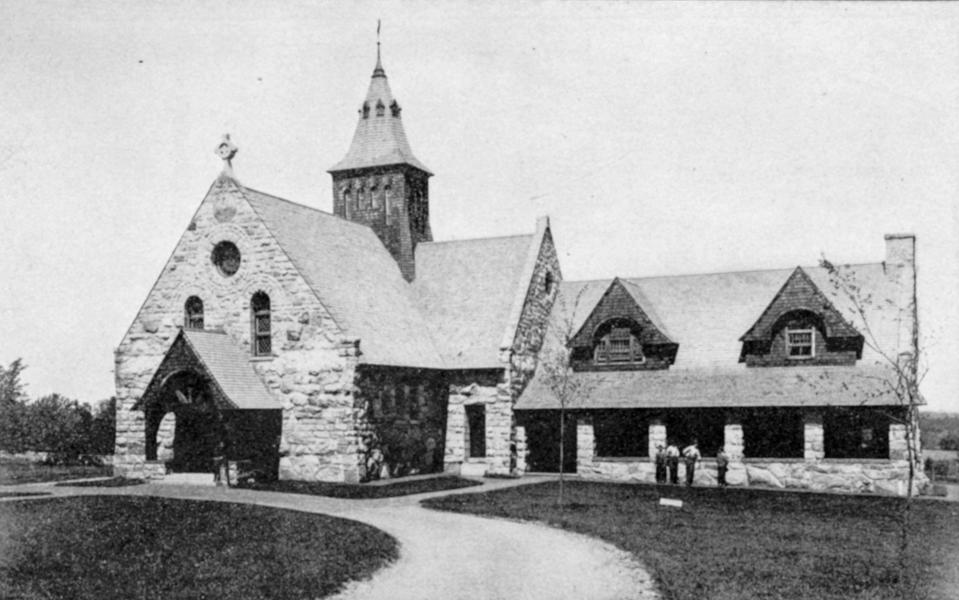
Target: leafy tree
558	375
12	409
103	429
950	442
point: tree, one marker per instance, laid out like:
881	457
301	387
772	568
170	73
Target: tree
12	400
103	428
950	442
903	374
557	371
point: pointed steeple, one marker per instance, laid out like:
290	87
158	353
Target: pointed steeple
379	139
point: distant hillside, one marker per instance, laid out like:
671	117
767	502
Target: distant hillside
937	425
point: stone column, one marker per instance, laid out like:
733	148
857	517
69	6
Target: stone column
585	442
165	434
455	444
734	444
814	450
657	436
519	437
898	448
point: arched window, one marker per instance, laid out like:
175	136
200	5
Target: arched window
260	314
616	342
548	283
380	108
193	313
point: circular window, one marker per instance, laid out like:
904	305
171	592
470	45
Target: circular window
226	257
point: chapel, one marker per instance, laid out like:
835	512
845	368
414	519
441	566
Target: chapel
292	343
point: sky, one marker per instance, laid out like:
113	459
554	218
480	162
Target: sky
660	138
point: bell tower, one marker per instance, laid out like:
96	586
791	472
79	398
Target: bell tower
379	182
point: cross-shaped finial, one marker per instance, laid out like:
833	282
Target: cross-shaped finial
226	150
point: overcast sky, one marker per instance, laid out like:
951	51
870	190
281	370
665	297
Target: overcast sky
660	138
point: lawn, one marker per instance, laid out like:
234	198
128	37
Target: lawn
106	547
365	491
13	472
745	544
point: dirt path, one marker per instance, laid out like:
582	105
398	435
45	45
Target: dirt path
447	555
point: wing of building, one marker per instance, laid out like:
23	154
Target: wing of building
283	341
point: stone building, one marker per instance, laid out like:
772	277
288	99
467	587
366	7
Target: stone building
351	346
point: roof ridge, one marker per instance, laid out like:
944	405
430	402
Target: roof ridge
307	207
478	239
633	279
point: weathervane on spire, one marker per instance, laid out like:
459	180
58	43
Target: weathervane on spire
378	71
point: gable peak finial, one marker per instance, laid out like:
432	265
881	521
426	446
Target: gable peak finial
378	70
226	150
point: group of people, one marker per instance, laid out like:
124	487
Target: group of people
667	463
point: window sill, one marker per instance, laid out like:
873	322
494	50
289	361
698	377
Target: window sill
850	461
623	459
475	460
760	460
261	358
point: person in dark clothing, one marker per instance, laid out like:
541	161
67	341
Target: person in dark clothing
660	464
722	465
672	463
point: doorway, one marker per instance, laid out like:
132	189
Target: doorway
542	441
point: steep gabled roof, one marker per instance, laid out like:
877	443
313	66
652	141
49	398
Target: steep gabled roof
223	362
799	292
467	289
623	300
355	278
379	139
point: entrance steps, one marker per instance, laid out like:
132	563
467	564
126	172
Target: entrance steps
199	479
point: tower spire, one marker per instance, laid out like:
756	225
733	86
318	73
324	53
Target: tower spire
378	71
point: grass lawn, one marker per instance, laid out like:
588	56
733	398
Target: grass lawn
745	544
111	482
13	472
106	547
360	491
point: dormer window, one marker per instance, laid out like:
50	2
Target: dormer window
380	108
395	109
618	346
800	343
366	110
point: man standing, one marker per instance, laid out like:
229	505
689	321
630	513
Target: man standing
722	464
660	464
691	455
672	463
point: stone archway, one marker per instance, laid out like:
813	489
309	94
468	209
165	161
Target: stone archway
184	427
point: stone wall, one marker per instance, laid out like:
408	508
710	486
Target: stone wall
813	472
491	388
311	372
401	419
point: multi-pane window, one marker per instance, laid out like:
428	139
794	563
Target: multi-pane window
193	313
800	343
260	312
619	346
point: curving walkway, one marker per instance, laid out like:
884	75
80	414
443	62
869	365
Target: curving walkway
446	555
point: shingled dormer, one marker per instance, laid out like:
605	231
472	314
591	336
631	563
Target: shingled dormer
380	183
801	327
622	333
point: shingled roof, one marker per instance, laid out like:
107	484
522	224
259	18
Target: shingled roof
768	386
707	314
355	278
468	290
226	365
379	139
